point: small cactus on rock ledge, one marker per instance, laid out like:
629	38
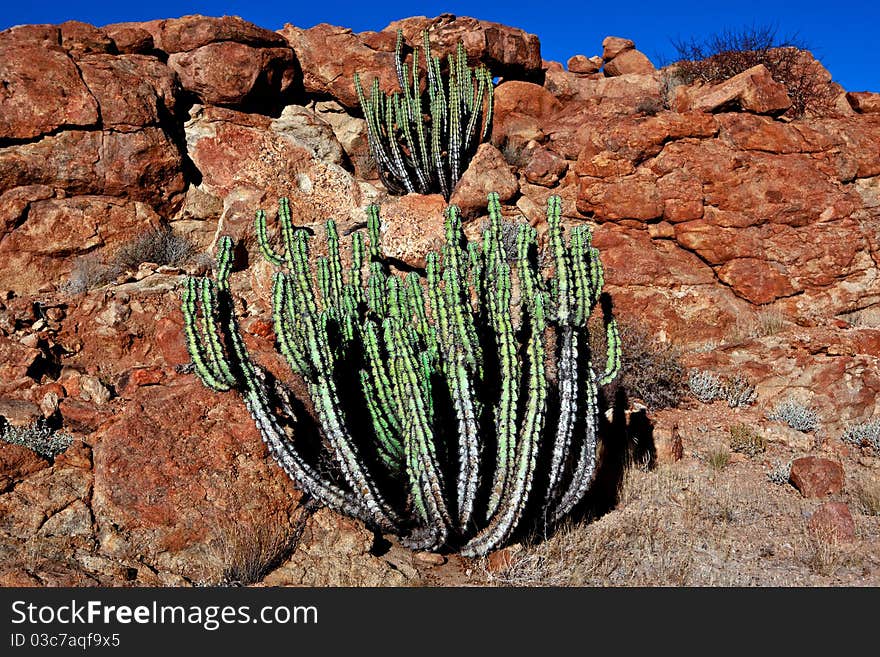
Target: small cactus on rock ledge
415	152
431	392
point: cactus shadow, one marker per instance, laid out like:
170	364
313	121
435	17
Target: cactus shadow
625	441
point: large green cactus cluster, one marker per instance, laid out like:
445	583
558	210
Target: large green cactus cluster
427	153
431	391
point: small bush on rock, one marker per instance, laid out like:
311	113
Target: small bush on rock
651	370
708	387
865	434
745	440
728	53
37	437
796	415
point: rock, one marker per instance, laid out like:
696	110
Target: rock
16	463
521	108
757	280
507	52
19	412
608	97
32	104
335	551
753	90
16	360
250	166
231	73
94	391
137	377
80	38
330	56
144	165
305	128
487	172
351	133
129	38
188	33
40	250
188	505
412	226
526	98
631	197
581	65
864	102
814	476
25	509
545	168
613	46
132	90
833	523
49	404
430	559
629	61
500	560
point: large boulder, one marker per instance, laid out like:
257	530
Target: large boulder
250	161
42	91
753	90
196	494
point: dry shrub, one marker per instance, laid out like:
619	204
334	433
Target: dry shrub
728	53
161	246
718	458
745	440
866	492
650	370
825	553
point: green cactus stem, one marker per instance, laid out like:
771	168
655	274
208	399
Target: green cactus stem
449	371
424	152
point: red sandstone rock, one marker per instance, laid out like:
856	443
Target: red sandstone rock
545	168
630	61
581	65
833	523
130	38
814	476
613	46
330	56
757	280
41	249
229	73
508	52
42	91
412	226
132	90
16	463
181	493
753	90
187	33
80	38
865	102
250	166
521	108
487	172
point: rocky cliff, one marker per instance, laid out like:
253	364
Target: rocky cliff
714	208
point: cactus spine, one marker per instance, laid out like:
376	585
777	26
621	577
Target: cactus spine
415	152
450	372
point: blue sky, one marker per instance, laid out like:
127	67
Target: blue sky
845	36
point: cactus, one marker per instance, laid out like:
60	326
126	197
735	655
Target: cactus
415	152
431	391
